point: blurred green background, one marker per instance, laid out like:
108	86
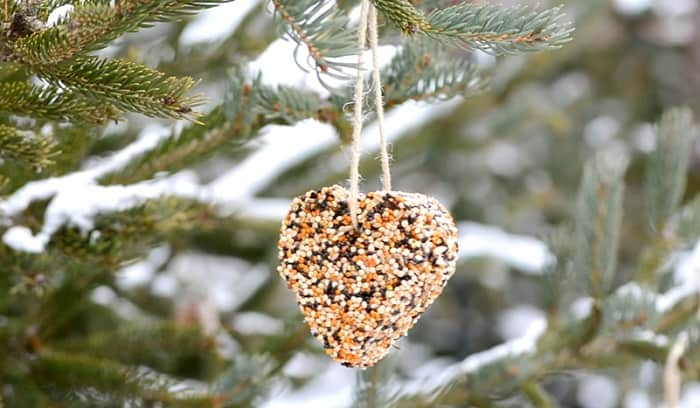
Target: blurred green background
510	159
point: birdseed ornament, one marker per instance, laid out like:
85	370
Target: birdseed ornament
360	289
364	268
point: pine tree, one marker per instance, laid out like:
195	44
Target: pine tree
140	206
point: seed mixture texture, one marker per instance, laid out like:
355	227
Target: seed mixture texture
361	289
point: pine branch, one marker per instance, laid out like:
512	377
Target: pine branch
322	29
4	181
69	305
119	235
26	392
421	72
241	99
232	121
684	226
246	382
521	362
681	230
283	345
426	73
7	68
537	395
74	142
667	166
556	287
487	27
680	314
288	104
21	98
78	373
165	347
26	147
403	14
630	307
178	151
371	387
127	86
664	186
248	105
92	25
598	219
500	30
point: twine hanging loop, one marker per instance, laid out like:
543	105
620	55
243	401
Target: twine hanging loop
368	22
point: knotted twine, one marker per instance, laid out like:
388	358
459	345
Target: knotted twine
672	375
368	22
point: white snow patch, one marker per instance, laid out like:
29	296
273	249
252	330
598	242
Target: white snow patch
432	383
225	281
58	14
647	374
651	337
632	289
523	345
570	88
164	285
688	269
140	273
285	146
515	322
256	323
21	238
632	7
398	122
105	296
673	296
601	130
644	138
675	8
46	188
282	147
597	391
78	204
77	197
277	66
505	159
686	276
216	24
304	365
266	209
522	252
581	307
331	388
197	308
484	59
691	395
637	399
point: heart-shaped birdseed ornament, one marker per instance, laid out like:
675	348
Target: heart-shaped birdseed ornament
361	289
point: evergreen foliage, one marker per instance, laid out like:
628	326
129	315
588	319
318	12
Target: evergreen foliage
86	193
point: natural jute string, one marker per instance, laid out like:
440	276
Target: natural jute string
672	375
378	99
368	17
